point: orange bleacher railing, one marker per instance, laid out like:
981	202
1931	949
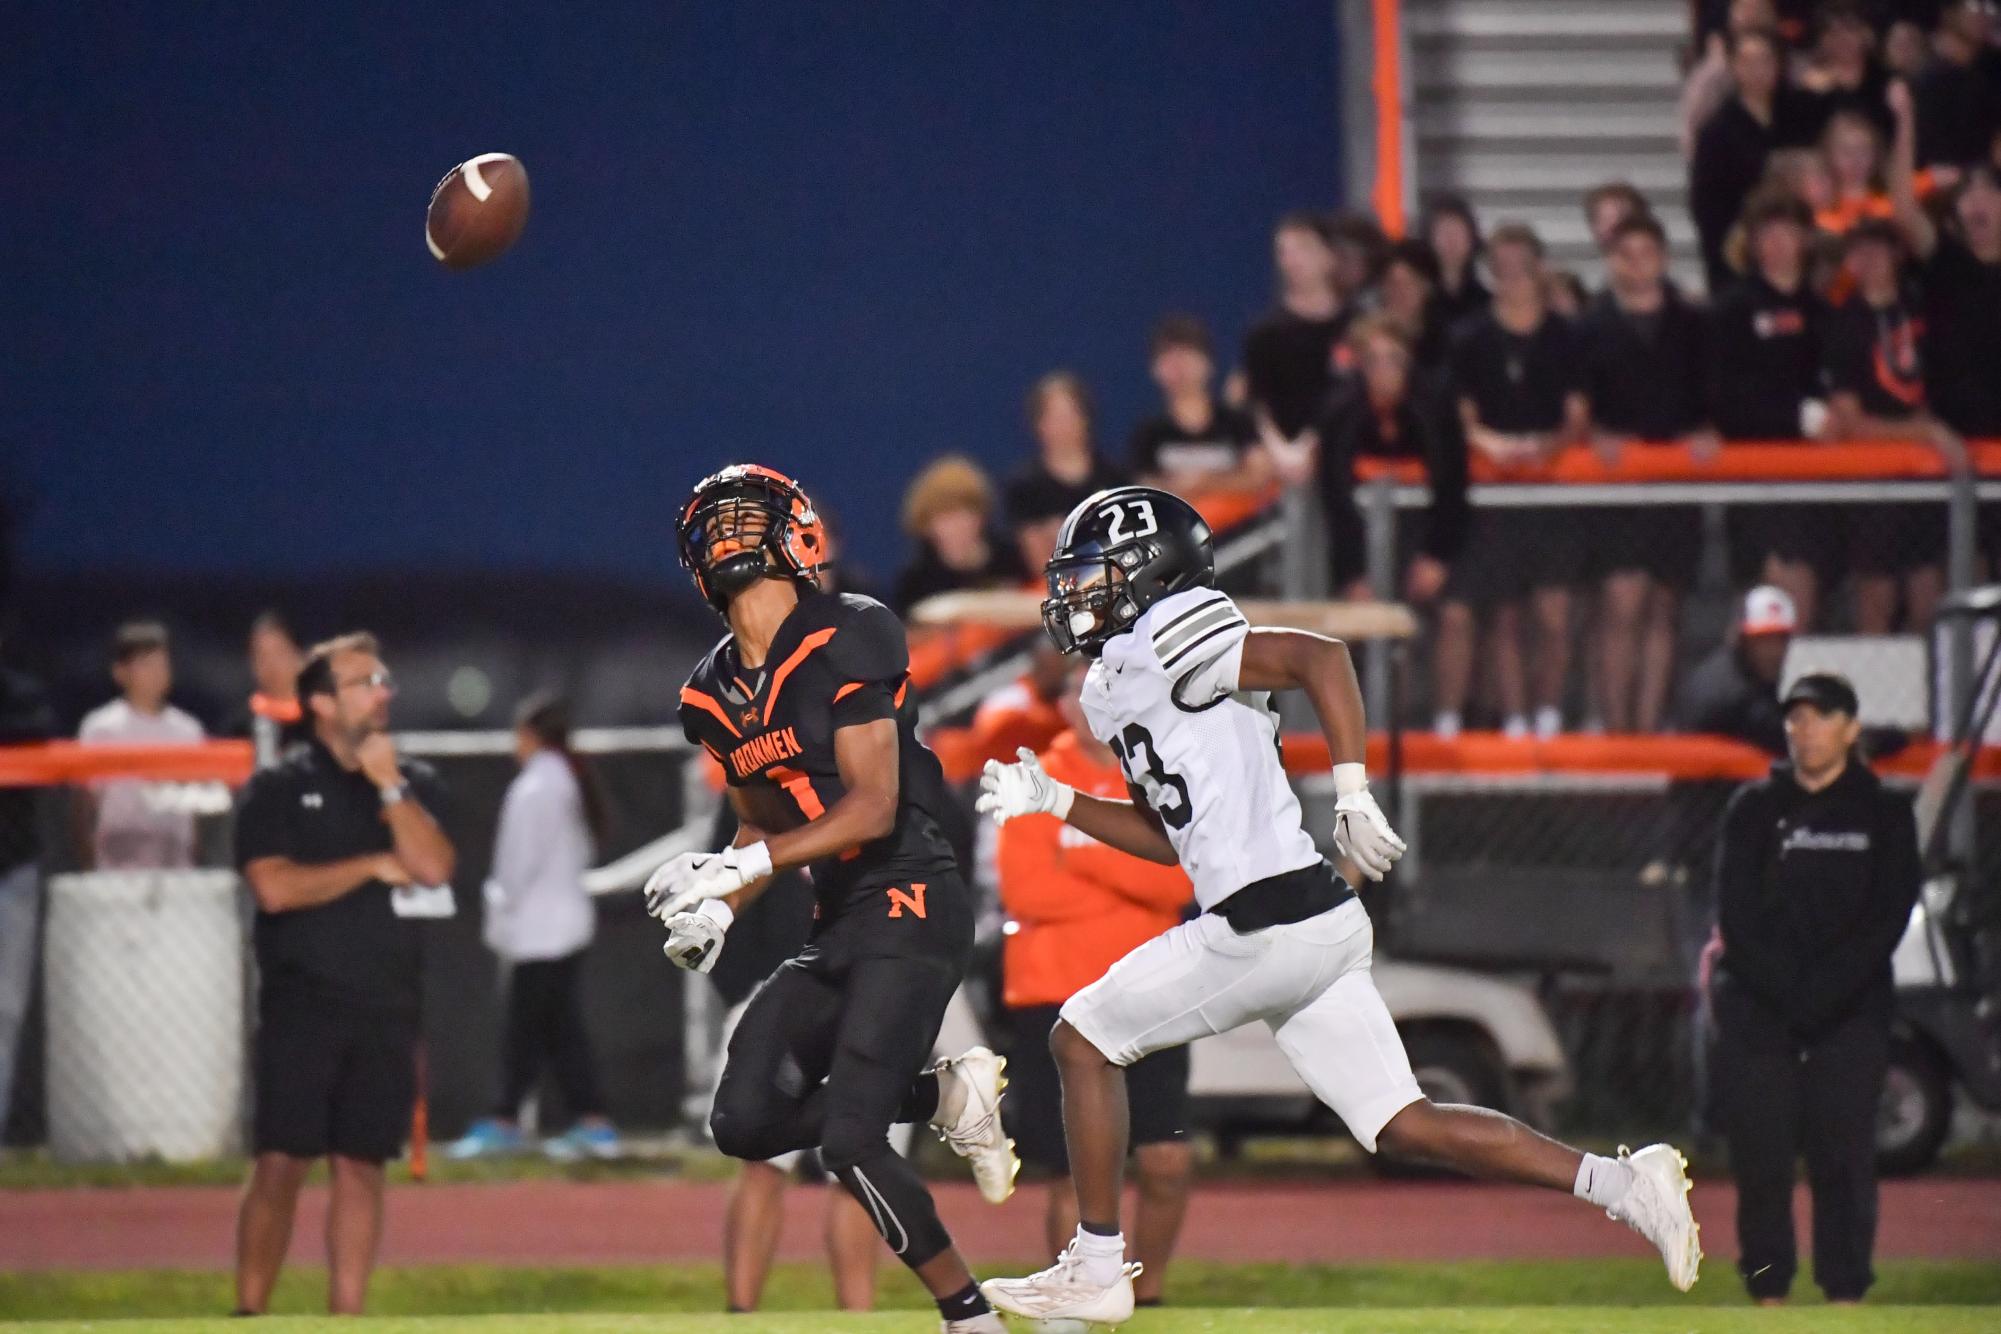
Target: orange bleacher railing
1491	755
1774	461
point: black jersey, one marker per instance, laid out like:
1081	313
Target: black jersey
838	660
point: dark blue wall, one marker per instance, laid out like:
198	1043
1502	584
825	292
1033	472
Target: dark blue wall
837	237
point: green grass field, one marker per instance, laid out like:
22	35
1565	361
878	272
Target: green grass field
1560	1296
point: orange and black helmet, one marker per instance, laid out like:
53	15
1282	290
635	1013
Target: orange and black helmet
747	523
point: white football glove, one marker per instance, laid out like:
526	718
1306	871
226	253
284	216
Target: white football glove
694	939
1008	790
694	877
1361	834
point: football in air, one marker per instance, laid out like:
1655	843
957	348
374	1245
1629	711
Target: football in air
477	211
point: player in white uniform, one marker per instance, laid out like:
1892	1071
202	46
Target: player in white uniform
1180	689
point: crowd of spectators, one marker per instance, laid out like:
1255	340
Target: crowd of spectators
1842	161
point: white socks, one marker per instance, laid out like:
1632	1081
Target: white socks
1102	1257
1548	722
1603	1181
951	1096
1445	724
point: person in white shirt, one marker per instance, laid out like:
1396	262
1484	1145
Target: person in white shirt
540	920
135	825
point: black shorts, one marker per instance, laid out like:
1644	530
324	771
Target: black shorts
332	1077
1806	534
1156	1094
1895	539
1512	552
1663	542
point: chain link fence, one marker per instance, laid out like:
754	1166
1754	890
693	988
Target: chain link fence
1588	884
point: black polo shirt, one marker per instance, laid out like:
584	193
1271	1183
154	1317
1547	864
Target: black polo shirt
311	810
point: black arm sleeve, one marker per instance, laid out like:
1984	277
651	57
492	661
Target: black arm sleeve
1833	981
1753	960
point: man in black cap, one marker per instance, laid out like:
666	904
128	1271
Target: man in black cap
1815	878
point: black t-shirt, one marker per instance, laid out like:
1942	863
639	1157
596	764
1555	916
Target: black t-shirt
1034	494
927	575
1289	362
355	949
1764	359
838	660
1517	381
1424	426
1644	373
1963	338
1878	354
1729	160
1161	444
1452	309
1959	109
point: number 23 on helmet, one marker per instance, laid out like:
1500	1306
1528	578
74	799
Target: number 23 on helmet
1118	553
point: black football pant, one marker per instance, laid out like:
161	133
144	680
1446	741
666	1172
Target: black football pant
829	1055
1781	1098
545	1020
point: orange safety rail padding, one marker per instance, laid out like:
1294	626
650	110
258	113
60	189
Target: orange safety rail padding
52	763
938	651
1684	758
1780	461
1224	510
1387	86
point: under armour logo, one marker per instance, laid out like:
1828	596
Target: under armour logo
312	801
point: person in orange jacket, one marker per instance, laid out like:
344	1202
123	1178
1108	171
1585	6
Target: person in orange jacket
1074	908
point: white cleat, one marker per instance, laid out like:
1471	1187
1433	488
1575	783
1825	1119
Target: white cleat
1657	1208
1063	1292
977	1135
984	1323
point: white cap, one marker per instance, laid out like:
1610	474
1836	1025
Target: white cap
1768	611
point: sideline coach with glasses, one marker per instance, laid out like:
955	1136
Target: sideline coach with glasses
1815	880
325	839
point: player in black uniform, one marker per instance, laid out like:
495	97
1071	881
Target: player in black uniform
806	704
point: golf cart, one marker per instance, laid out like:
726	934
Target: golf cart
1947	1034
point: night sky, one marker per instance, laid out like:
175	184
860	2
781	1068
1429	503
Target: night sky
837	238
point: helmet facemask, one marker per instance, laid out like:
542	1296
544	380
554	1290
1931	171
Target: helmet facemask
746	529
1089	602
728	538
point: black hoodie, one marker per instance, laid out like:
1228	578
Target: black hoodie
1814	890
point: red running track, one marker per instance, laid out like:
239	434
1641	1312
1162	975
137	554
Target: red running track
557	1223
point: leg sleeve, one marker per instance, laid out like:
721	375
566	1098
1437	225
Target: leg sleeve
894	1008
769	1100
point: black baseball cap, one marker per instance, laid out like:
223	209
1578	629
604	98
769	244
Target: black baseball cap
1830	692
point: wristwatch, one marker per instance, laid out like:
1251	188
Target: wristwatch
395	793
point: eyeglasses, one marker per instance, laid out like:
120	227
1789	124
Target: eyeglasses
377	679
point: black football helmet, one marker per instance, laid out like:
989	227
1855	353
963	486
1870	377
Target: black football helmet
747	523
1118	553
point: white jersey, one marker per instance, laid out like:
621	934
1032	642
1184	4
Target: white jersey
1203	753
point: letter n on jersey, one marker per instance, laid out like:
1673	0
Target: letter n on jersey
898	900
